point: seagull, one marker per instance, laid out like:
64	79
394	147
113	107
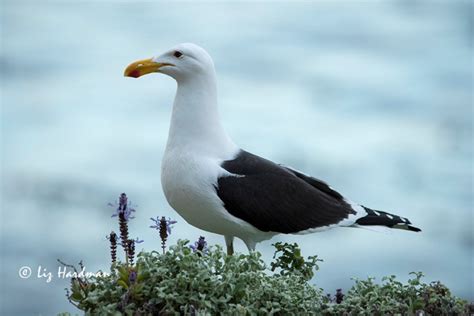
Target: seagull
219	187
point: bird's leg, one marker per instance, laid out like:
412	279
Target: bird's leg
229	242
250	245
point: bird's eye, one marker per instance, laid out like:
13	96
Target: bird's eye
177	54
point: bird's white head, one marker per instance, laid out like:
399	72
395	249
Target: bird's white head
182	62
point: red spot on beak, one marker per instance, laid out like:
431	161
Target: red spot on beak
135	73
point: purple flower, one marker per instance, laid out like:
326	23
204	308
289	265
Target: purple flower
113	245
199	245
130	250
138	241
123	206
339	296
132	277
163	226
159	223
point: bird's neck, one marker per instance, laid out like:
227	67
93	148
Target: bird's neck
195	123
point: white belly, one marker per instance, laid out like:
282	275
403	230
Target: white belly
188	183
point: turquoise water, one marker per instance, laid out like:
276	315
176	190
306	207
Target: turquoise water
376	99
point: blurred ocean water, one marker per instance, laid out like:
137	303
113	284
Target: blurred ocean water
374	98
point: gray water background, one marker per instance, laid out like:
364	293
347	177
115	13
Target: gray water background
374	98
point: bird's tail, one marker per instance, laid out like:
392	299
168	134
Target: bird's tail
380	218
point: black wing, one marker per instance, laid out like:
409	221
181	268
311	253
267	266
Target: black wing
276	198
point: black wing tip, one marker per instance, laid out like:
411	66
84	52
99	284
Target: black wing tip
413	229
381	218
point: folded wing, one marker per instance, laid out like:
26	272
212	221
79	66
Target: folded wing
276	198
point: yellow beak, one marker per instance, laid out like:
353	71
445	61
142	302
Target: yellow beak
143	67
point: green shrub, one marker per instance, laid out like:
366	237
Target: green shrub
185	282
196	280
395	298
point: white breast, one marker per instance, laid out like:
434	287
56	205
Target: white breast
189	185
197	145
